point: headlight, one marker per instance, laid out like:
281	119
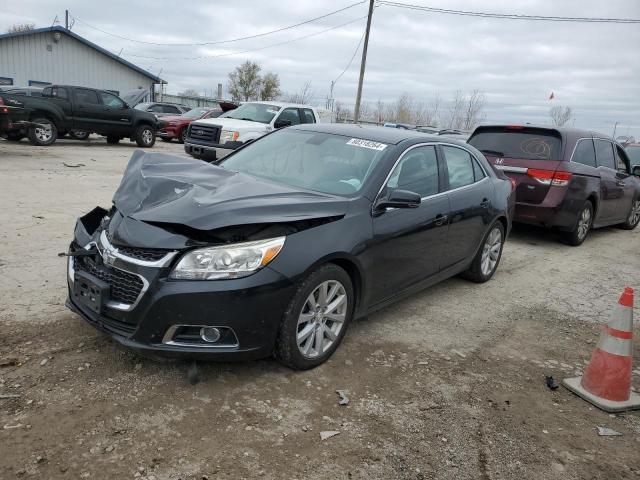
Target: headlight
227	261
228	136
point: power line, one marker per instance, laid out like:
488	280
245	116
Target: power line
206	57
508	16
219	42
352	58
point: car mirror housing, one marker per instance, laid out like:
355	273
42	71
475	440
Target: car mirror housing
398	199
282	123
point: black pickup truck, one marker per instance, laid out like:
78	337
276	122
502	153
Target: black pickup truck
63	109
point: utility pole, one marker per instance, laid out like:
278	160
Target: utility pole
356	113
66	19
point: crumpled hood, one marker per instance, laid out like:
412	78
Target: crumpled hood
233	124
164	189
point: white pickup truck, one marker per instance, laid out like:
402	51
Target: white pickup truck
213	138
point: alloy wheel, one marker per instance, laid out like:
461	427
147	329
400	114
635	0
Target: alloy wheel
584	223
44	134
491	252
322	318
147	136
634	216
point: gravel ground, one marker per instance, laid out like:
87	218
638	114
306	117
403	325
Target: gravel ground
448	384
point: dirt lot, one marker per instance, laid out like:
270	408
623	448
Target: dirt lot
448	384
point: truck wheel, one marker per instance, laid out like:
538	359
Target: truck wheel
583	224
43	135
113	140
15	137
145	136
79	134
183	135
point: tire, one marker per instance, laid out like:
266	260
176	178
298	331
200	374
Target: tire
183	135
287	350
15	137
43	136
486	261
577	236
145	136
79	134
113	140
168	140
634	216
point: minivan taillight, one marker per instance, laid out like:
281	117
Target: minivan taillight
549	177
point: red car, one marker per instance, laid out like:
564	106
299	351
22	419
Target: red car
175	126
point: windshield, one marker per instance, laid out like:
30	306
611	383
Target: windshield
311	160
526	143
196	112
254	112
634	155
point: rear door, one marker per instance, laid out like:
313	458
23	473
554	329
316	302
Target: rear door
611	186
470	193
524	154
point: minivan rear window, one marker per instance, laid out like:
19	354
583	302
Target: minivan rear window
525	143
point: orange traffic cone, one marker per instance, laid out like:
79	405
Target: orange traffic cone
607	379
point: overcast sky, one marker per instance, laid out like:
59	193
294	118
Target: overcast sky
594	68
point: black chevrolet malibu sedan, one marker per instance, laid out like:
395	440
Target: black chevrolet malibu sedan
284	242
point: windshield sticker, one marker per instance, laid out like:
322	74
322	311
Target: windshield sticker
358	142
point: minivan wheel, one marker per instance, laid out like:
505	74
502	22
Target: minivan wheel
487	259
583	225
316	319
145	136
634	216
43	135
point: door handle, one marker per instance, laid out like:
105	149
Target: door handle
484	203
441	219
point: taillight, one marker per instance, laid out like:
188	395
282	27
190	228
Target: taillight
548	177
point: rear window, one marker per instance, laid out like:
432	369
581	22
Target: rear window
525	143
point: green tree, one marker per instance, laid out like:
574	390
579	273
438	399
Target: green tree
245	82
270	87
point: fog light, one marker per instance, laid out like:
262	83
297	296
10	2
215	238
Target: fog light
210	334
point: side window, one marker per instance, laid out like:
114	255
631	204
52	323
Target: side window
290	114
621	160
604	154
416	172
47	92
478	173
308	116
155	108
110	100
460	167
171	109
584	153
87	96
62	93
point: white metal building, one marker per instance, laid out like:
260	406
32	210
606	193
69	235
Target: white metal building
55	55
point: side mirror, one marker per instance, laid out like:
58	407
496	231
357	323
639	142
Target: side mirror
282	123
399	199
636	170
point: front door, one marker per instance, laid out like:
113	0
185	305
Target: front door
88	110
116	116
611	189
625	181
408	243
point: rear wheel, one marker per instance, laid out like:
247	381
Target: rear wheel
145	136
634	216
486	261
316	319
583	225
44	134
111	140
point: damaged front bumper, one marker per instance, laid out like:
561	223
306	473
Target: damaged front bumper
126	293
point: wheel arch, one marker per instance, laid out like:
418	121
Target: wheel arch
49	116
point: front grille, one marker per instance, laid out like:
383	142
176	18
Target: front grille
146	254
205	133
125	286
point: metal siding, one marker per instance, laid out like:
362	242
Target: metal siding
70	62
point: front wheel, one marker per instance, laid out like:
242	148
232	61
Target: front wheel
583	225
45	133
183	135
145	136
316	319
486	261
634	216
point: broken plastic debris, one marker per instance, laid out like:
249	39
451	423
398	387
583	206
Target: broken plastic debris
608	432
328	434
344	400
551	382
73	166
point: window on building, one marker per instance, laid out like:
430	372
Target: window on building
6	81
38	83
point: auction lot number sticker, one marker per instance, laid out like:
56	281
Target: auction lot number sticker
358	142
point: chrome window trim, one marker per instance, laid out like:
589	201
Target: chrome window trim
167	339
575	147
429	144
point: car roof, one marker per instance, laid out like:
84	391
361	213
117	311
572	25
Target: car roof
374	133
280	104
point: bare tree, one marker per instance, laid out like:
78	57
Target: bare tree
304	96
245	82
474	106
270	87
21	27
560	115
189	92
